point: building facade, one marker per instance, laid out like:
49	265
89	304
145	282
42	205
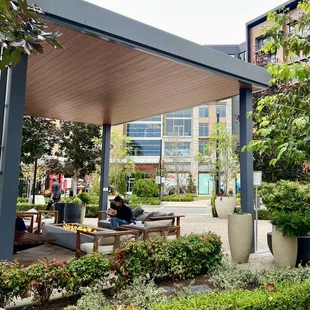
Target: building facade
173	140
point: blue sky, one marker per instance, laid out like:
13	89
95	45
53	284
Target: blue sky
201	21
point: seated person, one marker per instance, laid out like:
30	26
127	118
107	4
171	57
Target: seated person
121	214
20	225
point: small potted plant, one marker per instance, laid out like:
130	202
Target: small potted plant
73	210
240	232
85	198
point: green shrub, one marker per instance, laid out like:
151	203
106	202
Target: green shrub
157	259
175	197
291	223
13	282
22	200
286	296
93	199
286	196
85	198
145	188
263	214
45	276
135	200
89	268
28	206
92	211
213	208
191	187
231	276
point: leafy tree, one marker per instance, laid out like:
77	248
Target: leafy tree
39	137
121	164
283	115
22	31
223	142
191	187
78	146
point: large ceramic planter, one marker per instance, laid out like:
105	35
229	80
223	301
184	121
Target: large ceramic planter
225	206
240	233
303	249
284	249
72	213
60	207
83	213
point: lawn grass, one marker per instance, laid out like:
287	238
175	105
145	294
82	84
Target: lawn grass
204	197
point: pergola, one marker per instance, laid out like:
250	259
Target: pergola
114	70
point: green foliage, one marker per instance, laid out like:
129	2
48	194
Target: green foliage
44	276
22	200
85	198
22	31
13	282
28	206
213	208
291	223
283	112
262	214
159	259
273	297
88	269
191	187
145	188
289	205
224	143
39	137
175	197
231	276
74	200
121	184
135	200
286	196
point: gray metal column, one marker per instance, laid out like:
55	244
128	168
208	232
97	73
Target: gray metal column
246	158
3	75
105	163
10	156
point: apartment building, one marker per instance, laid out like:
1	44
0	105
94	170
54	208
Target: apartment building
173	140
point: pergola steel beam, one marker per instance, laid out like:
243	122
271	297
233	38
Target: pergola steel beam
10	155
246	158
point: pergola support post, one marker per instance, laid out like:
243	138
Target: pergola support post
246	158
3	78
10	155
105	164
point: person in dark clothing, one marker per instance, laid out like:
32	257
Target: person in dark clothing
55	197
122	215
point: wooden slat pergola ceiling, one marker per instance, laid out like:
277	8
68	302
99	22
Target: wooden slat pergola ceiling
94	80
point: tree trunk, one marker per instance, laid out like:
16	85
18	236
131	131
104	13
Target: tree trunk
74	183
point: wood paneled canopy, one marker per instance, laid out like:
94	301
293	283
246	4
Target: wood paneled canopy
114	70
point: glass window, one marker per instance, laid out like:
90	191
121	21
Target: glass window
144	148
178	127
136	130
152	119
204	111
261	41
203	147
221	109
181	149
182	113
203	130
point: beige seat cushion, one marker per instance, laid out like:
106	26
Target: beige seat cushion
88	248
110	240
28	223
156	224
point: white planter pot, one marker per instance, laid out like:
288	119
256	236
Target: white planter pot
83	214
240	233
284	249
224	206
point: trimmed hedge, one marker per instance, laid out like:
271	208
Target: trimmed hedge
160	259
185	198
287	296
263	214
28	206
